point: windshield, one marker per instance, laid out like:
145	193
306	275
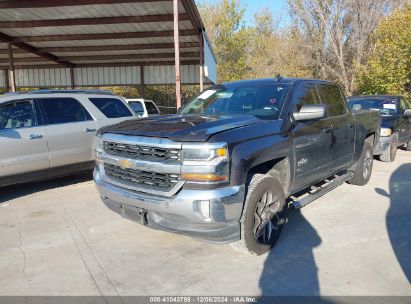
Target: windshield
261	100
385	106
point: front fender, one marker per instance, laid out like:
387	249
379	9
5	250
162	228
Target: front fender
251	153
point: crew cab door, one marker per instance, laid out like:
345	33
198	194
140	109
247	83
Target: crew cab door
312	140
343	122
70	131
23	139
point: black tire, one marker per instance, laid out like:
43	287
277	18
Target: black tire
391	152
251	223
363	167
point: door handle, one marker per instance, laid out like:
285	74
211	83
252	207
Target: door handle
34	136
327	130
89	130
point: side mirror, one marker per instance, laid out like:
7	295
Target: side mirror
310	112
407	113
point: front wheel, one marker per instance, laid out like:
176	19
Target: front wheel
363	168
263	215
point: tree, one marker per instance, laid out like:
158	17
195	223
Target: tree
275	50
337	34
388	70
224	22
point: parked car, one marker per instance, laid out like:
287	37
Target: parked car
222	168
143	107
395	124
51	133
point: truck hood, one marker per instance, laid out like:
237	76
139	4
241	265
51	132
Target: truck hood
181	127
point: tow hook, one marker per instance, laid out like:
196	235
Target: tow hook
143	216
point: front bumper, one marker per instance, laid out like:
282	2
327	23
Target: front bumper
216	221
383	144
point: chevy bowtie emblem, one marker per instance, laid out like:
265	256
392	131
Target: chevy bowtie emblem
125	164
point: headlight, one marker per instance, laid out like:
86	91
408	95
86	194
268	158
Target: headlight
386	132
203	152
98	148
205	163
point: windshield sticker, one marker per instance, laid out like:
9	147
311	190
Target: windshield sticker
389	106
207	94
225	94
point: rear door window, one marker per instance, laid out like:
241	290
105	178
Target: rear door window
150	107
18	114
331	96
111	107
64	110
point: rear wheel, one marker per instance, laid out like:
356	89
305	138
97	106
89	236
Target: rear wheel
364	165
263	215
390	153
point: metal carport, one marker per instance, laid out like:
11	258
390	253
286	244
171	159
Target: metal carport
70	43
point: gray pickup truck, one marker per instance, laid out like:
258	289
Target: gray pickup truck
225	168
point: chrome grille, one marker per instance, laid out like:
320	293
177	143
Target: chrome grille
156	181
141	152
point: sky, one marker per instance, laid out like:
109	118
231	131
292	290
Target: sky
277	7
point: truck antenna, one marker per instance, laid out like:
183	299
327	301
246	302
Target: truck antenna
278	77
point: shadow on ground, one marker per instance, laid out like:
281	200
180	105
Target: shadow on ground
398	217
290	268
20	190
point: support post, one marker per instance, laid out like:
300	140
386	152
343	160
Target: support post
142	81
201	61
72	82
11	74
177	53
6	80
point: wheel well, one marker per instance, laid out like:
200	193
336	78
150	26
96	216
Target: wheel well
370	138
278	168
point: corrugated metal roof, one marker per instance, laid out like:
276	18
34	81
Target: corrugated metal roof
39	35
100	29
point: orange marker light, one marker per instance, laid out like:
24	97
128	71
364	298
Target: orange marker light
221	152
203	177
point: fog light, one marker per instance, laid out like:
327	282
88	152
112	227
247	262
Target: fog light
203	207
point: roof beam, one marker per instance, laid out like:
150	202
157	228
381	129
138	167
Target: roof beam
30	49
100	36
126	47
90	21
130	56
15	51
57	3
103	64
97	48
103	57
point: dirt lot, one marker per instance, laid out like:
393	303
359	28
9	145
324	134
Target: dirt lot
57	238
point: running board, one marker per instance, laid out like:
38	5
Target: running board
318	191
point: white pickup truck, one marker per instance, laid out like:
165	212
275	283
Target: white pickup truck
143	107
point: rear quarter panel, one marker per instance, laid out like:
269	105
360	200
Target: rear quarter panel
367	122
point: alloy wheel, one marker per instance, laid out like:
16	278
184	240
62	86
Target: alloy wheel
267	222
367	164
